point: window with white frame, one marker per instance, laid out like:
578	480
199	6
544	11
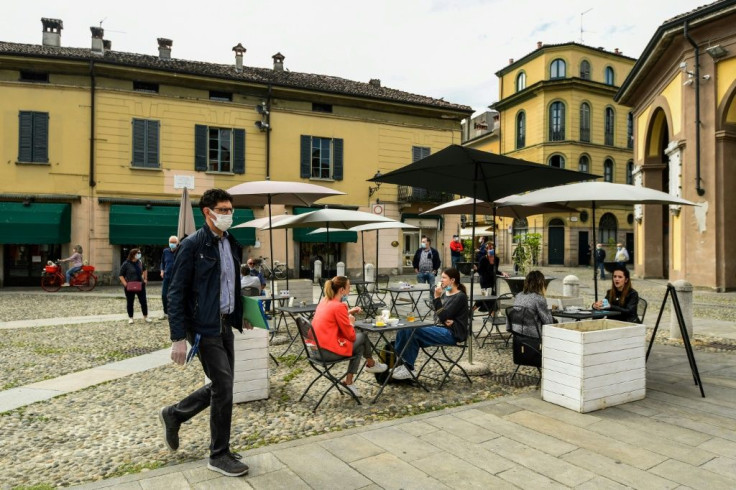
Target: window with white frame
585	122
608	170
557	161
585	70
321	158
520	81
557	121
610	124
609	76
557	68
520	130
584	163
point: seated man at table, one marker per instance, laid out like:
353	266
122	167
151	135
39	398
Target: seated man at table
333	326
249	281
451	316
532	297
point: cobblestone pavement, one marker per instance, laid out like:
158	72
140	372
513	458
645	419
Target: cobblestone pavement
111	429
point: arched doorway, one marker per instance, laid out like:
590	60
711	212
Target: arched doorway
556	242
608	229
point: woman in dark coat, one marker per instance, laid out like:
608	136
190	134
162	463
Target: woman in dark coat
132	270
621	297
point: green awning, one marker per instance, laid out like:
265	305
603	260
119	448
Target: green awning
36	223
302	234
137	224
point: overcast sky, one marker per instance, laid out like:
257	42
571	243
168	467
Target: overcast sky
439	48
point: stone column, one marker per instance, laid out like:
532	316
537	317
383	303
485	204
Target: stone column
317	270
685	296
571	286
369	274
341	268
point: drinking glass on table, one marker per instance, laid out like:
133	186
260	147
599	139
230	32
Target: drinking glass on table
410	318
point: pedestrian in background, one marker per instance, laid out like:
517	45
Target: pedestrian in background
133	277
456	250
622	255
426	262
600	257
167	262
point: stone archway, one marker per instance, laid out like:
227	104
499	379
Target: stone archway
725	180
655	226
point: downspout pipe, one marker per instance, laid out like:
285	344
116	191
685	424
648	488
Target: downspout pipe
92	182
268	134
698	188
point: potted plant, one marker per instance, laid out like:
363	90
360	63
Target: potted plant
525	256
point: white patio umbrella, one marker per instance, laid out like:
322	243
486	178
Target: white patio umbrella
332	219
383	225
597	194
464	205
268	192
262	224
186	224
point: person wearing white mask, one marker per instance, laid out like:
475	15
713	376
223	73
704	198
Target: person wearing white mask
133	277
167	262
426	262
205	306
622	255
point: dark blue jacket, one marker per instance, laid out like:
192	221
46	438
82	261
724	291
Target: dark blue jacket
167	261
194	293
435	258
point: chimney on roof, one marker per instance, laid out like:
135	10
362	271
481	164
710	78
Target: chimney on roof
375	82
278	62
539	44
511	61
52	31
98	45
107	44
239	52
164	48
616	51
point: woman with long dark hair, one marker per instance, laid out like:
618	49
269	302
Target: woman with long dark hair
333	326
621	297
451	315
133	271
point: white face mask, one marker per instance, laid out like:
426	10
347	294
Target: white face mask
138	256
222	222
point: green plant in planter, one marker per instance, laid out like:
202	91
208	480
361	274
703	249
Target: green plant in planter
527	252
534	242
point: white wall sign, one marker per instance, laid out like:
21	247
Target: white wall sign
182	181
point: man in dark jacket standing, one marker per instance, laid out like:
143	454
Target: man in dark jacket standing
426	263
600	258
204	306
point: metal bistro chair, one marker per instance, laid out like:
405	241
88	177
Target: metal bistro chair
446	357
526	338
323	368
496	318
641	309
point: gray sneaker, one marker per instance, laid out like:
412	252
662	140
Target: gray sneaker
171	429
228	464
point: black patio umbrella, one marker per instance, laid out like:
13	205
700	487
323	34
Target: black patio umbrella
478	174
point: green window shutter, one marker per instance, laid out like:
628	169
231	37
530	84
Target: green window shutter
25	136
152	143
200	148
139	142
337	159
305	166
41	137
239	151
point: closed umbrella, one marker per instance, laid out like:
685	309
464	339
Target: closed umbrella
268	192
478	174
597	194
186	224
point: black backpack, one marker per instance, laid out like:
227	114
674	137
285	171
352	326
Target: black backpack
387	355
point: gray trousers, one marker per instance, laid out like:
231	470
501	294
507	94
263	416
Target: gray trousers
361	346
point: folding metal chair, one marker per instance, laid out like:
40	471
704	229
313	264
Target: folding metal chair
496	318
641	309
447	358
527	338
323	368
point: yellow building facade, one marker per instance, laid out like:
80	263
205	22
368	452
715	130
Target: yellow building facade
98	144
683	95
556	108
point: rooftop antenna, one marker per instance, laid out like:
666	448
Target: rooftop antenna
581	24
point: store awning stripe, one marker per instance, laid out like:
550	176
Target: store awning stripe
35	223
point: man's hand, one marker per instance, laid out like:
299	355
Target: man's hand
504	274
162	274
416	270
179	352
247	325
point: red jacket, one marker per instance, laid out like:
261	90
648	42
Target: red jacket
332	327
456	246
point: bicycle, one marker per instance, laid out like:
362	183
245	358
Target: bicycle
261	265
52	278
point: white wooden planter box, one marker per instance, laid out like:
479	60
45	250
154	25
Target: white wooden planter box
251	366
593	364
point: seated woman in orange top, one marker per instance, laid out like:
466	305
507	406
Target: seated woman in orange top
333	326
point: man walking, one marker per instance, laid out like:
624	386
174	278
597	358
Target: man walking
167	262
426	263
600	257
204	306
622	255
456	250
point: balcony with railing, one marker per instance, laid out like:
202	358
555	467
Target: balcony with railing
419	194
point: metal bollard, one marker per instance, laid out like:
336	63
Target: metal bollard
571	286
369	274
685	296
317	270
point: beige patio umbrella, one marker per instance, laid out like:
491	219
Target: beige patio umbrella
186	216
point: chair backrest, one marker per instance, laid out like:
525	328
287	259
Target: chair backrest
641	309
523	321
382	280
250	291
503	302
306	333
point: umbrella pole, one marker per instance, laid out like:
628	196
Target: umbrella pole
496	260
595	261
362	250
472	277
270	244
286	244
375	273
327	270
